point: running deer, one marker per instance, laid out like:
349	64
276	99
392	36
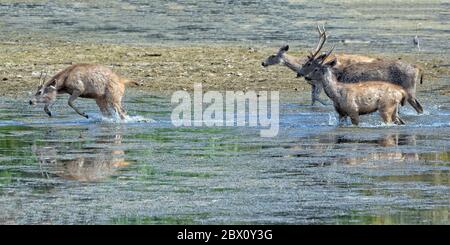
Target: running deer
355	99
392	71
295	63
86	81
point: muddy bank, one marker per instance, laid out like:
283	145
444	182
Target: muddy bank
163	68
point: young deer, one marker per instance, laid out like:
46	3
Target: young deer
86	81
355	99
295	63
396	72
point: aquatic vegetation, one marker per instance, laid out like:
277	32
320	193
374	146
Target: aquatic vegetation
153	173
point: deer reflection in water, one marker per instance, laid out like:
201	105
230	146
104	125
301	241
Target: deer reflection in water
91	164
327	149
389	152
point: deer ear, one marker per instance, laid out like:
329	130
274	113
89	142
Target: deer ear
322	57
284	48
331	63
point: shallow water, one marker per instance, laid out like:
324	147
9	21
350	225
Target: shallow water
68	169
358	26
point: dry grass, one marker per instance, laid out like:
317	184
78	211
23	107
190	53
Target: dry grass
163	68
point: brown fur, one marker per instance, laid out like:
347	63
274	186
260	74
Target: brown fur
86	81
344	60
355	68
396	72
355	99
296	63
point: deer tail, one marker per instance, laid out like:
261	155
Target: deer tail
419	108
415	104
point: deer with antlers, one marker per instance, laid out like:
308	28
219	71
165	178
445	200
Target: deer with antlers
392	71
296	63
355	99
86	81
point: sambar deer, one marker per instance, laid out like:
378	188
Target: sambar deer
355	99
86	81
296	63
392	71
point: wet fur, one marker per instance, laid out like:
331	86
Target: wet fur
88	81
396	72
296	63
353	100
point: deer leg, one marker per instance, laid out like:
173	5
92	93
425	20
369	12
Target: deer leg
399	121
114	99
124	113
321	101
395	118
355	119
342	115
119	110
101	103
315	94
118	107
73	97
386	115
342	120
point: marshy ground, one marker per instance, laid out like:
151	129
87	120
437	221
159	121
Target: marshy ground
175	67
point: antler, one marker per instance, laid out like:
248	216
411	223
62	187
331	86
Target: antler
327	54
322	40
42	81
40	78
46	73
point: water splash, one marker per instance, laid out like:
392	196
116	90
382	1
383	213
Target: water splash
332	120
97	118
379	124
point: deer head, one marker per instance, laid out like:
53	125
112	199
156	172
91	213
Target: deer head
318	72
46	93
314	60
276	58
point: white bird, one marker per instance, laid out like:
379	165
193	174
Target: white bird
416	40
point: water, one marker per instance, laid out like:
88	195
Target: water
356	26
68	169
